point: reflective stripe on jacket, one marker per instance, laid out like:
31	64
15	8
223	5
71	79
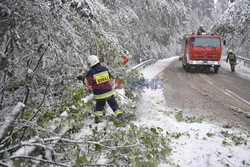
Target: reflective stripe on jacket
98	78
231	57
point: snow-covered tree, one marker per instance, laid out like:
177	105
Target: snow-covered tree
235	27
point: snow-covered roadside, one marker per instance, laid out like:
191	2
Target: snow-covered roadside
241	70
193	144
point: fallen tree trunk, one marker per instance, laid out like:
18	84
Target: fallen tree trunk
10	119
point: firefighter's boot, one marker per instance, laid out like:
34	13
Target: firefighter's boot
119	114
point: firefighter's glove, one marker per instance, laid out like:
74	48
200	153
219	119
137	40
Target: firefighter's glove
81	78
84	100
88	98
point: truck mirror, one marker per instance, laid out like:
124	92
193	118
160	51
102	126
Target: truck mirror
224	42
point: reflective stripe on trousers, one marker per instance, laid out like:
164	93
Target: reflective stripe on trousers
105	95
99	113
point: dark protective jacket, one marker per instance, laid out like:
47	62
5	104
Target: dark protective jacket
98	80
200	31
231	57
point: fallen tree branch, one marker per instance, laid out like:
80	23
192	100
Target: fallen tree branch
41	57
113	147
4	164
10	119
34	126
30	144
27	150
39	159
39	107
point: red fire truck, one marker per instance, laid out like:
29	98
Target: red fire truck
202	52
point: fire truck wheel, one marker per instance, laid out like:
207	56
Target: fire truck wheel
184	66
216	69
188	68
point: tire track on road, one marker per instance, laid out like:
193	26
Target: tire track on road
225	91
200	94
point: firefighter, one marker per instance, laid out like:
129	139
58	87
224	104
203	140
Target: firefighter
232	60
98	80
201	30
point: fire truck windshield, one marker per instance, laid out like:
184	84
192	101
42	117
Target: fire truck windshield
205	42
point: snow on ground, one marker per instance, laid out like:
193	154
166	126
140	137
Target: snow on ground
241	70
194	144
151	71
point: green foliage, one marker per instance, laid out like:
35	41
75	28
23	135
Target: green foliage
25	115
224	142
235	139
81	160
78	94
179	116
225	133
6	156
13	85
193	119
131	145
3	63
238	140
175	135
188	119
49	115
228	126
209	134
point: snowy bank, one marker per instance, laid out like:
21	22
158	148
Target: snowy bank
193	144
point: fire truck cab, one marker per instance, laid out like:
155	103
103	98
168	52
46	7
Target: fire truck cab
201	52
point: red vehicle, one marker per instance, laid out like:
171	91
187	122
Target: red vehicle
201	52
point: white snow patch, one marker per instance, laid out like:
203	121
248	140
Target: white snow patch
152	70
194	147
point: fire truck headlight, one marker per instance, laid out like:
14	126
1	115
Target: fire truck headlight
194	62
216	63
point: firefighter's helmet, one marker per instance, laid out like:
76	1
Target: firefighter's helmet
92	60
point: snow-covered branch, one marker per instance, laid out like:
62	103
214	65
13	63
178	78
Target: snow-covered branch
114	147
22	144
39	159
11	118
4	164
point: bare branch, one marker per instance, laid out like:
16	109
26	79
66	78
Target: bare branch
114	147
6	8
8	137
27	95
41	56
21	55
39	107
7	45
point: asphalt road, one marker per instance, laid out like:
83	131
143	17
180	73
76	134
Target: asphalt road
222	98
